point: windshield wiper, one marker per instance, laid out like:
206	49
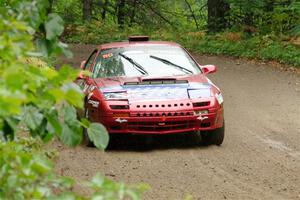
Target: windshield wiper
135	64
172	64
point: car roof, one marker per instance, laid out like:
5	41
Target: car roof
135	43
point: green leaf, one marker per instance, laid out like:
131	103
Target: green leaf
54	26
85	122
49	72
32	117
73	94
12	122
69	113
42	47
70	137
53	125
46	137
98	135
12	181
41	166
64	49
57	93
97	181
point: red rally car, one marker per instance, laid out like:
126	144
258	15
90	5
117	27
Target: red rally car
151	87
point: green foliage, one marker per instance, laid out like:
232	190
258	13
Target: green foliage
263	48
93	133
268	47
267	28
295	8
27	173
33	95
149	14
73	8
106	189
53	26
261	16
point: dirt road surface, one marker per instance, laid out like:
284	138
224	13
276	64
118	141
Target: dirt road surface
259	159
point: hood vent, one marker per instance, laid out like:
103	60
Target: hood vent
157	82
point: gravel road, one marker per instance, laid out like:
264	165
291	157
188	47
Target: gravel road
259	159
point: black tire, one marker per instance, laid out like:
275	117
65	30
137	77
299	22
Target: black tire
86	140
215	136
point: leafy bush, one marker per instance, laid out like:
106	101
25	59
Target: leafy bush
98	32
264	48
27	173
36	97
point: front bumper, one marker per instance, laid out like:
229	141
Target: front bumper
158	117
164	124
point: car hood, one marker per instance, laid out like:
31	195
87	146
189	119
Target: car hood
150	88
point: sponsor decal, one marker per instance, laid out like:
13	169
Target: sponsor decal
108	55
95	104
87	88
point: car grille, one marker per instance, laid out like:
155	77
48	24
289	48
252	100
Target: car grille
161	126
158	109
163	105
162	114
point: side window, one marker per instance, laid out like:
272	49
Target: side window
90	61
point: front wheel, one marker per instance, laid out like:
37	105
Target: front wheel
215	136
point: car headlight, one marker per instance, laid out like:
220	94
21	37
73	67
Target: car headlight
219	98
199	93
115	95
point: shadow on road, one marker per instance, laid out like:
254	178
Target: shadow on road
154	142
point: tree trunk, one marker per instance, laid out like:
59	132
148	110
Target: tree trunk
155	11
132	16
49	9
103	14
218	11
192	13
248	19
87	10
269	5
121	13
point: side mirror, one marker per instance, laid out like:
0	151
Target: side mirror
82	64
207	69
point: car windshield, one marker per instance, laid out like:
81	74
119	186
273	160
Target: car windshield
146	60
